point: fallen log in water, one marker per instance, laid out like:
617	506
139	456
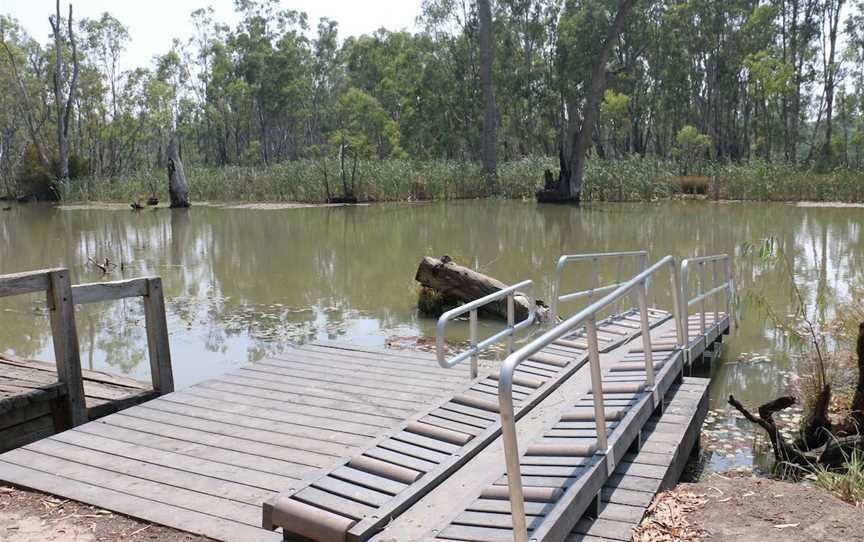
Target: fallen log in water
453	284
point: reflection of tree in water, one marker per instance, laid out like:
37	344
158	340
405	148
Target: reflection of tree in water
262	280
122	334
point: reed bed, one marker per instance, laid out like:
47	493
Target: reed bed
627	179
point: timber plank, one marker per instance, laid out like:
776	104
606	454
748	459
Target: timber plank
327	435
335	391
246	396
305	398
140	440
434	384
237	431
350	491
400	459
266	413
394	409
428	373
221	488
194	521
333	503
188	463
372	387
171	495
299	457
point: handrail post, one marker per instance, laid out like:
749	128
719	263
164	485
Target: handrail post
596	384
556	291
67	354
472	332
619	271
730	290
678	306
714	283
511	450
161	373
702	293
511	321
642	291
684	304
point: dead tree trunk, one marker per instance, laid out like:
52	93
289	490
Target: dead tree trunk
458	284
490	117
822	444
178	188
857	416
63	104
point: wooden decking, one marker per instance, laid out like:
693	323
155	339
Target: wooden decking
205	459
29	391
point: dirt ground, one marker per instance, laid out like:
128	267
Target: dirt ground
743	508
27	516
738	508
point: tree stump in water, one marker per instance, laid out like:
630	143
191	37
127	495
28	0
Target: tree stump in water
821	443
178	188
456	285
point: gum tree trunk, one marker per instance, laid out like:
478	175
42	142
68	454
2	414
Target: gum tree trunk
490	118
178	188
572	159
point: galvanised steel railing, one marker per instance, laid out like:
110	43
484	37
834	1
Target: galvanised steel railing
471	308
588	318
641	257
727	286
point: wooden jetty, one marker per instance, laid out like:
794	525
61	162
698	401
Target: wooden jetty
39	399
335	442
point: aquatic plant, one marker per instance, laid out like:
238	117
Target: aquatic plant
632	178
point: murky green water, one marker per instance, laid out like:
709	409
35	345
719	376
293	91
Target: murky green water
242	283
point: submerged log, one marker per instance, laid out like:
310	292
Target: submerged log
457	284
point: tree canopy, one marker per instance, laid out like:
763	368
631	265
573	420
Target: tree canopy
781	80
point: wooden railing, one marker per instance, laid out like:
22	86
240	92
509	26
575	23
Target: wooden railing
62	298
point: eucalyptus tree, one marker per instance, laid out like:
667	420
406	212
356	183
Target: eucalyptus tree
592	27
64	88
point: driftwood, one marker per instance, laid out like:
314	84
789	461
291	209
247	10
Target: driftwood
457	285
821	443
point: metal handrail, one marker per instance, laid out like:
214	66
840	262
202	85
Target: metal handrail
728	285
588	317
476	347
594	289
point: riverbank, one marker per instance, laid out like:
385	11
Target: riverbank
744	508
629	179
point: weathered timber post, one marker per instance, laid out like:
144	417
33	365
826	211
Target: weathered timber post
178	188
157	337
66	351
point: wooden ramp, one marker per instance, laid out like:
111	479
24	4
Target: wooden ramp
360	495
473	505
667	443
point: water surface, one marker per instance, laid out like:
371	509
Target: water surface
242	283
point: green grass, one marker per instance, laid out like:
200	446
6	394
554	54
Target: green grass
848	484
629	179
